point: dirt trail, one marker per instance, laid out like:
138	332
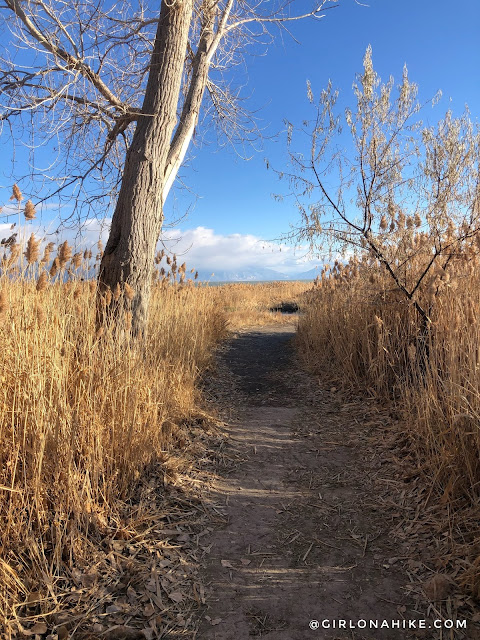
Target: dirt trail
306	537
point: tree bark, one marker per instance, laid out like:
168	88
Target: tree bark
138	216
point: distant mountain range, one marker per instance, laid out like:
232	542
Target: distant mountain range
308	275
255	274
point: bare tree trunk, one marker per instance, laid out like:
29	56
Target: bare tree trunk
137	220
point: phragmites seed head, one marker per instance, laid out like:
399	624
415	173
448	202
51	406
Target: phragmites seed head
29	211
129	291
117	292
92	286
77	260
42	281
128	320
32	252
16	193
15	251
418	220
410	222
64	254
54	268
46	253
383	223
108	297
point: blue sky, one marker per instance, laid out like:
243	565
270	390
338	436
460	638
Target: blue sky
436	39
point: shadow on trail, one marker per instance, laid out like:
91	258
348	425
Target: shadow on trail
261	362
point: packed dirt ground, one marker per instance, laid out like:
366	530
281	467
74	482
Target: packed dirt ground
314	494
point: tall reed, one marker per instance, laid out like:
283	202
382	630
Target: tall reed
82	416
365	332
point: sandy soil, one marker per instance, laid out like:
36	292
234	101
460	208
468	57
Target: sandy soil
308	533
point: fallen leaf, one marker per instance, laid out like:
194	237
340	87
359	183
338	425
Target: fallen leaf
227	564
164	563
176	596
113	608
184	537
245	561
216	621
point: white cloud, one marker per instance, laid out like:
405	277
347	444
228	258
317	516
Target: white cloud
201	248
205	249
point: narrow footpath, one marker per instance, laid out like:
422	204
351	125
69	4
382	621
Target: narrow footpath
307	537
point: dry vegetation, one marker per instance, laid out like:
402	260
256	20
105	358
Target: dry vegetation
365	331
83	418
247	305
90	430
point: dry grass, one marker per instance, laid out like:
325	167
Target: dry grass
249	304
368	335
82	421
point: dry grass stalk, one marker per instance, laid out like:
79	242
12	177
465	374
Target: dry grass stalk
3	303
